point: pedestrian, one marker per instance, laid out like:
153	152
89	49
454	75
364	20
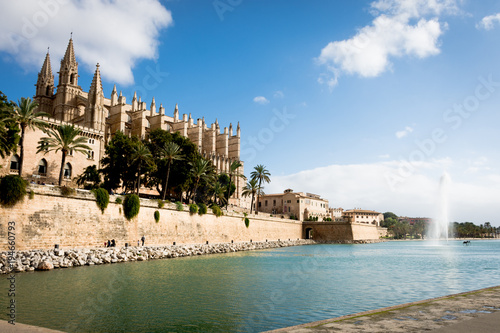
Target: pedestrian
109	243
113	243
138	242
143	239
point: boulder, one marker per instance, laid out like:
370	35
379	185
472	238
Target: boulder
45	266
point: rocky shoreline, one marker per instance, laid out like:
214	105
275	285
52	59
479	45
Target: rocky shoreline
26	261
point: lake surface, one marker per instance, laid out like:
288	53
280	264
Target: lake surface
250	291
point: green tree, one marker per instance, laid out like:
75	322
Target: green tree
261	174
116	164
219	190
180	178
251	189
64	138
233	172
141	157
25	117
9	130
200	171
170	152
89	175
390	215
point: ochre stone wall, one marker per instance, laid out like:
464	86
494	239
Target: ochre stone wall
76	221
338	231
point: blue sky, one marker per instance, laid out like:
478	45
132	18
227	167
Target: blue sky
358	101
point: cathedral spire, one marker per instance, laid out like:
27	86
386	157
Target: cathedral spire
68	73
69	56
45	82
94	112
96	85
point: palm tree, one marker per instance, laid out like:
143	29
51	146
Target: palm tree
89	175
261	174
64	138
251	188
218	192
199	170
171	152
142	156
232	169
25	116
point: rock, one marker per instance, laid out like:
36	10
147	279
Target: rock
45	266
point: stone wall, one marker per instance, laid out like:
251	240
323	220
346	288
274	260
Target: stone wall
341	231
76	221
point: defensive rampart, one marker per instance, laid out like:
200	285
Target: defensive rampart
76	221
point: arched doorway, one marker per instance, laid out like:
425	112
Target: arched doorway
309	233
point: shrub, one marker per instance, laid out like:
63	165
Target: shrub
12	190
119	200
202	208
157	216
131	206
32	195
102	198
193	208
216	210
179	206
247	222
161	203
67	191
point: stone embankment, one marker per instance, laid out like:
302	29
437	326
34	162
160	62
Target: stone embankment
26	261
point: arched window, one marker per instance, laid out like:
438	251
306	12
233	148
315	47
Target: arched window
14	163
67	171
42	167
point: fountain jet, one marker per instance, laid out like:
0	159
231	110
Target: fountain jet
439	227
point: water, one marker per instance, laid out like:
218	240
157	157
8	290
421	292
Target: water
250	291
439	227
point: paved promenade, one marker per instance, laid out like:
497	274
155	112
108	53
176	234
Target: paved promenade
5	327
474	311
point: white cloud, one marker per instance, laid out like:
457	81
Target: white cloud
384	156
116	34
261	100
279	94
489	22
366	186
403	133
399	29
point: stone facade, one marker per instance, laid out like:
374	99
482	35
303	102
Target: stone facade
101	117
297	204
363	216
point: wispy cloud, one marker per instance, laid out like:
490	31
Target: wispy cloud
365	185
117	34
278	94
489	22
403	133
400	28
261	100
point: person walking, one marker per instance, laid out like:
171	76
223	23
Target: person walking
143	239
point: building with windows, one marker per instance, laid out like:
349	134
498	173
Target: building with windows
363	216
99	118
297	205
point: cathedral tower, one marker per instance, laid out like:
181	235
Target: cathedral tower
66	106
45	87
